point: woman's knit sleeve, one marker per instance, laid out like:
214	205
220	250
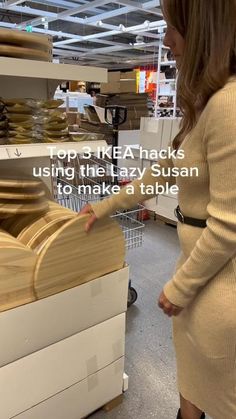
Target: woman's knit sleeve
217	243
125	200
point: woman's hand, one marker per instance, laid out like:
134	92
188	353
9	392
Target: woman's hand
168	308
88	210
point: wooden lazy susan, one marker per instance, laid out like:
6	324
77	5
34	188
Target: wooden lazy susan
21	196
43	254
17	264
72	256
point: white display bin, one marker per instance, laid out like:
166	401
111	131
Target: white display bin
42	375
29	328
83	398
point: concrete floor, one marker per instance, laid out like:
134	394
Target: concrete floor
150	361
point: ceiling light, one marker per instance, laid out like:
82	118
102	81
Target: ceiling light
99	23
122	28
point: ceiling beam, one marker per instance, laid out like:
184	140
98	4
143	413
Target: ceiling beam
113	30
152	3
110	14
82	8
149	6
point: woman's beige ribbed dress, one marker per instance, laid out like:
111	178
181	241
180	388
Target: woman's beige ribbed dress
204	282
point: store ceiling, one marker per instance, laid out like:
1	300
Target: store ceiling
102	33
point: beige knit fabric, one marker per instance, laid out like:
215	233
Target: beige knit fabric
204	282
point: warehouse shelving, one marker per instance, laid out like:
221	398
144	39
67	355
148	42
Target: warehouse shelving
47	353
162	63
43	150
51	71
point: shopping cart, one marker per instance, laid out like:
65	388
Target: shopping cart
70	196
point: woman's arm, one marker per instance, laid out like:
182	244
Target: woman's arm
217	243
123	200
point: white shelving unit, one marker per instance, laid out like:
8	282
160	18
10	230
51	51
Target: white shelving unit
26	151
161	82
15	67
61	357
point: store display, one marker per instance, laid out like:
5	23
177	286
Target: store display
35	228
55	238
18	44
88	255
18	224
32	120
21	196
17	267
82	309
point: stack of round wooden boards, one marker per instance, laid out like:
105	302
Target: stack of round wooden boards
21	196
18	44
43	254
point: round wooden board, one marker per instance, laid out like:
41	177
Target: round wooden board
19	222
17	265
22	194
53	205
35	227
72	256
16	37
7	239
47	231
14	224
12	182
27	53
20	207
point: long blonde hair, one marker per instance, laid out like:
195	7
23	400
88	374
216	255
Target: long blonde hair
209	59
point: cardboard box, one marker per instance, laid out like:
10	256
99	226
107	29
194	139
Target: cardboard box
83	398
113	76
128	86
43	374
113	87
34	326
128	75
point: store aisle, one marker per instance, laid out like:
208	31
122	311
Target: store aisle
149	355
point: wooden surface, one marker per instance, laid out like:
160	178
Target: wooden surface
20	207
19	183
46	232
27	53
71	256
16	273
34	228
17	223
19	193
16	37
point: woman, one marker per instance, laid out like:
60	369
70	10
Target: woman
201	295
